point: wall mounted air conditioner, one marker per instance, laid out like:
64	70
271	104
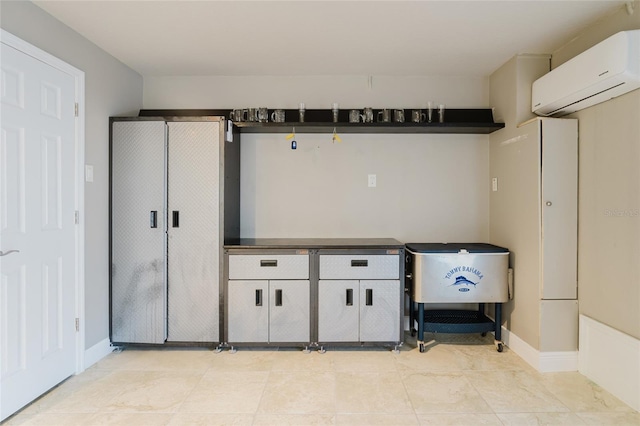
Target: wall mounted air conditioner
608	69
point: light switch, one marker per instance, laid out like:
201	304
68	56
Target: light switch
494	184
372	181
88	173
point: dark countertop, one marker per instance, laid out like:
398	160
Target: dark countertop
455	248
314	243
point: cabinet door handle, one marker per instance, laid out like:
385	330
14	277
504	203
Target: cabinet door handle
153	219
278	297
360	263
258	297
349	297
268	263
369	297
176	218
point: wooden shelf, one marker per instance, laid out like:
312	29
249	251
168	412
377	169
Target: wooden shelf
460	121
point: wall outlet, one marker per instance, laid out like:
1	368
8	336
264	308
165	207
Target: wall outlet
494	184
88	173
371	181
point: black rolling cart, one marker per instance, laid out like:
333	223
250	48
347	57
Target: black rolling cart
460	273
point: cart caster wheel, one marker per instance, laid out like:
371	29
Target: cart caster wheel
499	347
483	334
421	346
306	351
218	349
322	350
233	350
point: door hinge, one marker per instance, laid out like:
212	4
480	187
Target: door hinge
76	217
76	109
77	324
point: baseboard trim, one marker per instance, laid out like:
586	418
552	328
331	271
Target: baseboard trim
545	362
611	359
96	352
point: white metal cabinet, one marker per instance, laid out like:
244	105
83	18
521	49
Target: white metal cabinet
365	307
167	228
268	298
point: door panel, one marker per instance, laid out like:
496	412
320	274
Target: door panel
380	311
559	209
37	228
193	232
138	248
289	318
338	310
248	311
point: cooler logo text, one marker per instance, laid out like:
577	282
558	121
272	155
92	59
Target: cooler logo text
461	281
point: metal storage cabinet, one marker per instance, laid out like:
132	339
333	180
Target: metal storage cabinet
167	228
359	298
268	298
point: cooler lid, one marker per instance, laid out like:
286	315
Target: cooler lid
455	248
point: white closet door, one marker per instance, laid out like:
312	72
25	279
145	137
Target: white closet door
37	229
194	231
559	204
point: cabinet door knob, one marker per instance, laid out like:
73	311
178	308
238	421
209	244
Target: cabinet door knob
549	203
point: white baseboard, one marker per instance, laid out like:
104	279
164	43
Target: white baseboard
96	352
611	359
545	362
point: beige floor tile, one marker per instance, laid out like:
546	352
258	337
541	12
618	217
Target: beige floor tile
435	358
371	393
581	394
611	419
443	392
458	419
155	391
244	359
210	419
53	419
514	391
368	419
534	419
227	392
299	361
295	419
127	419
487	358
94	395
173	359
363	360
299	393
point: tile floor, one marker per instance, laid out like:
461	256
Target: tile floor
459	380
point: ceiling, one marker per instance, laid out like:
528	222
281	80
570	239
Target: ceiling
298	37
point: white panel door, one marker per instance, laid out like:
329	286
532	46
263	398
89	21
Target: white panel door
559	205
37	230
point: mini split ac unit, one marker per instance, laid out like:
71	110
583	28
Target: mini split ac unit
608	69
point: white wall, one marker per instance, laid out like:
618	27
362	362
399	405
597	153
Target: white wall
609	193
111	88
430	187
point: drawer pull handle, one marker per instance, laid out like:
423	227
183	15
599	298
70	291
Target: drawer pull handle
369	297
268	263
360	263
278	297
153	219
349	297
259	297
176	218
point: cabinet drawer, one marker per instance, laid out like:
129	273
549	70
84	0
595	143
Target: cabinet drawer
359	267
268	267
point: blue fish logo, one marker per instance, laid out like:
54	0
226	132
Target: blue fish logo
462	280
